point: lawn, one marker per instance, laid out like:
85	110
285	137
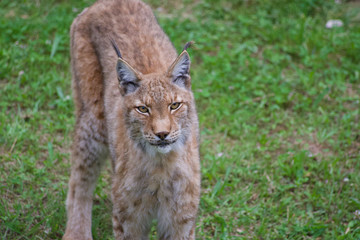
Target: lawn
278	100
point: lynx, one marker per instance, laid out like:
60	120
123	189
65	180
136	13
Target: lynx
133	102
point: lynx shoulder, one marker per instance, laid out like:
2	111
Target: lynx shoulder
133	101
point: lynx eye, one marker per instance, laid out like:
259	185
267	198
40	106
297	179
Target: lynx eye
175	105
142	109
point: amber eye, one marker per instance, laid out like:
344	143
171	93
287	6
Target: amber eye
175	105
143	109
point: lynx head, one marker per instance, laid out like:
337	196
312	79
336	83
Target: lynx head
158	107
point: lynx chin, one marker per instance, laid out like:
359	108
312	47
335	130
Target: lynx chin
133	101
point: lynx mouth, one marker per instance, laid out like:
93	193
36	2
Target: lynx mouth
162	144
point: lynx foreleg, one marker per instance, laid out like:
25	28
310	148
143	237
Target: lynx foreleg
177	214
132	211
89	152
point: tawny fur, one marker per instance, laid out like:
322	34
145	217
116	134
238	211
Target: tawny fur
149	181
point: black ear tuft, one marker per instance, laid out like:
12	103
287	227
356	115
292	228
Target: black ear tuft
188	44
113	43
128	77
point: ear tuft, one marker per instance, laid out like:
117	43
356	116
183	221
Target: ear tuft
116	48
188	44
180	69
128	77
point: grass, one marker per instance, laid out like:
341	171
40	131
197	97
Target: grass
278	101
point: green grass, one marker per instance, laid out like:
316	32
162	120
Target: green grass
278	100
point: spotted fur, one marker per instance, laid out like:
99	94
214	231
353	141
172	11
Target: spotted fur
155	153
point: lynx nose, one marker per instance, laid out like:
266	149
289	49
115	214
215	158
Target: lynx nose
162	135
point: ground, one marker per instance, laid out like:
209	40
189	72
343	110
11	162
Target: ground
278	101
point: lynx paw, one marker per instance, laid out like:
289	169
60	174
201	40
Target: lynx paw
70	236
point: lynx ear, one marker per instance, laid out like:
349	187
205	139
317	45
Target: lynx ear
128	77
179	71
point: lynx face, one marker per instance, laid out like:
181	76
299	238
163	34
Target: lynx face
157	114
157	105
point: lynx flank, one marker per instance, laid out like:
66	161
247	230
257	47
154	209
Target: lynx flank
133	102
